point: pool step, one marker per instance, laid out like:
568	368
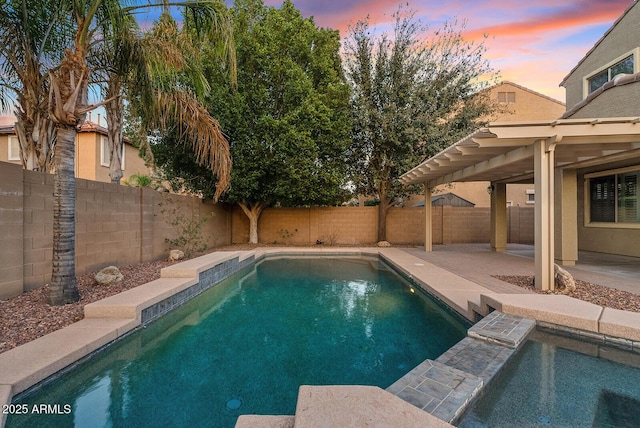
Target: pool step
437	388
346	406
503	329
253	421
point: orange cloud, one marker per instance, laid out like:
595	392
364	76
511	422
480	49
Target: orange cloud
563	19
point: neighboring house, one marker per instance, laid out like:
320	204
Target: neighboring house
92	153
584	166
518	104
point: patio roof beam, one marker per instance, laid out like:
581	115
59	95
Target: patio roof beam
484	166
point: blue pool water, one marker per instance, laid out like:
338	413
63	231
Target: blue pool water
561	382
245	346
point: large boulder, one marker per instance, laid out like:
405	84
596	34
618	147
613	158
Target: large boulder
175	255
564	281
109	275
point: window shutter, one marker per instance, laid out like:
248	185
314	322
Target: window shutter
628	198
603	199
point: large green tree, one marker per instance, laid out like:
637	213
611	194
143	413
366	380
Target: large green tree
413	93
288	120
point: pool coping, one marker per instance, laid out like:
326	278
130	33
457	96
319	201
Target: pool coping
115	316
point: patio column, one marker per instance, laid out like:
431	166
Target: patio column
543	161
566	226
498	217
428	227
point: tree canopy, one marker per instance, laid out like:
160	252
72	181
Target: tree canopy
413	94
288	119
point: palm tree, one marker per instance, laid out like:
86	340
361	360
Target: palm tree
119	60
149	69
68	105
31	34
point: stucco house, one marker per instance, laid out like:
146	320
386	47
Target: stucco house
92	153
584	166
517	103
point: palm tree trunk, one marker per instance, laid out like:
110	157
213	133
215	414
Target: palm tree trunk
63	288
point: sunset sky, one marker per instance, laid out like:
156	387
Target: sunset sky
533	43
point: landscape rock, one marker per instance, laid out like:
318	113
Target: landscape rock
109	275
564	281
383	244
175	255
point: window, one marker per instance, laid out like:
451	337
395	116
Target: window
507	97
105	155
613	198
14	149
625	66
531	196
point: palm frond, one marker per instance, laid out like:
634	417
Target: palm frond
196	126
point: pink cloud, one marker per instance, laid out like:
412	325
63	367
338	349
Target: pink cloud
561	19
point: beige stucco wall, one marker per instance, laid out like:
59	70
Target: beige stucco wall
622	38
528	106
4	150
87	155
87	163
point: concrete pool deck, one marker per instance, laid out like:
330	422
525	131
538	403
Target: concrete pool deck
466	288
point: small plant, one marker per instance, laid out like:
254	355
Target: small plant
286	235
138	180
189	229
332	237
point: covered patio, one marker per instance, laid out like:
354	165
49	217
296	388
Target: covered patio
547	154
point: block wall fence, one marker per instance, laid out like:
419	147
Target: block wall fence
119	225
359	225
115	224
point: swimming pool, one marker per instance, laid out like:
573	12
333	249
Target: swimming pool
562	382
245	345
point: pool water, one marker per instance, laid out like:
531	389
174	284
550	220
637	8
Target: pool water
561	382
247	344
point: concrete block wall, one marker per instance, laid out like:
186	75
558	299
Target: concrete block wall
115	224
358	225
521	225
407	225
347	225
37	246
305	226
11	230
468	225
107	225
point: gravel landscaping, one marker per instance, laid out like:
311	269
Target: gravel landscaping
27	317
593	293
